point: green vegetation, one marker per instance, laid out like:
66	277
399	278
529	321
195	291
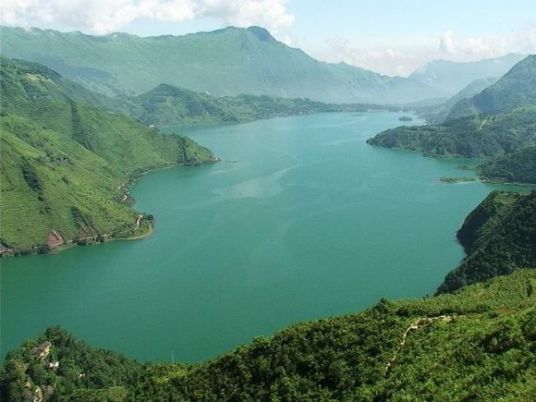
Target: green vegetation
479	343
516	89
454	180
168	105
499	237
227	62
437	113
472	136
65	163
499	122
517	167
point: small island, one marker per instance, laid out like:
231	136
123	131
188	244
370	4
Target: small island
453	180
405	118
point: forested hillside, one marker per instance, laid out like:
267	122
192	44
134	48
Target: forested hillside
476	344
437	113
517	167
498	121
65	163
515	89
471	136
499	237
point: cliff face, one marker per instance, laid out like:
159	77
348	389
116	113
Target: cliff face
499	237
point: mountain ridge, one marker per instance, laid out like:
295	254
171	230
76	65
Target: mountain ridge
240	60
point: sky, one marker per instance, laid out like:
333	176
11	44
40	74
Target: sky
393	37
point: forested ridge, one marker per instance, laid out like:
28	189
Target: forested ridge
476	344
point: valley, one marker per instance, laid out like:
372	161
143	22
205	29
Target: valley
302	229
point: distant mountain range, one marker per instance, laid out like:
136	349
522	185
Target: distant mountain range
450	77
230	61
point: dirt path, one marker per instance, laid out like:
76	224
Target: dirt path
414	326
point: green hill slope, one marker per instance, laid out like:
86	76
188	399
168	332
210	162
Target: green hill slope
64	163
497	121
517	167
471	136
499	237
517	88
230	61
477	344
437	114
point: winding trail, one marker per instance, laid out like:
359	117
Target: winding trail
414	326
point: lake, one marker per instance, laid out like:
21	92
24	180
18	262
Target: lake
301	220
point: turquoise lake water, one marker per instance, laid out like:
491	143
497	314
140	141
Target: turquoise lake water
301	220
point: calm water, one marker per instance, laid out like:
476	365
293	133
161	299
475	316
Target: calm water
301	220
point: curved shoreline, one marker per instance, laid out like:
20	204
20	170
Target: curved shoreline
44	248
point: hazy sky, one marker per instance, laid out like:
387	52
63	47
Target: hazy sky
388	36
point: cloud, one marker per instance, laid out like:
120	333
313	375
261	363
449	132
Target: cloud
446	42
385	60
475	47
405	55
105	16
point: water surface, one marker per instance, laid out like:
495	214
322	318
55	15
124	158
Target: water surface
300	220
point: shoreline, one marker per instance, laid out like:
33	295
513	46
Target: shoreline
44	249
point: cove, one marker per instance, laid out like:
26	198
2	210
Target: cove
301	220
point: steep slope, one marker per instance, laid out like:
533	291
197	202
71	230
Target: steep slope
65	163
501	119
476	344
169	105
517	167
515	89
451	76
230	61
499	236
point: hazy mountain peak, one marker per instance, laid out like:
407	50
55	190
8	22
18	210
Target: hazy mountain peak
261	33
451	76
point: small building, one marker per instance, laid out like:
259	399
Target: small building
42	350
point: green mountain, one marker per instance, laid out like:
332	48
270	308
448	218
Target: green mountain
515	89
499	236
517	167
477	344
169	105
451	77
503	120
226	62
65	164
437	113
